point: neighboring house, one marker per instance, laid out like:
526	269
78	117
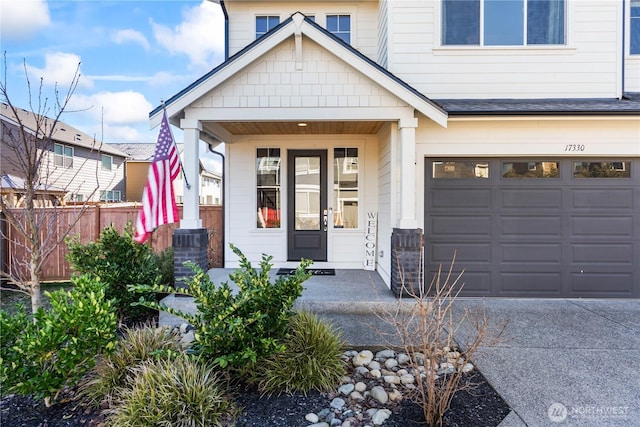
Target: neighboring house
507	133
139	156
13	189
83	168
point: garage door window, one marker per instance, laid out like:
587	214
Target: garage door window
530	170
459	169
602	169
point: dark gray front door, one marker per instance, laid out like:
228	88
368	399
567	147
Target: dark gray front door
307	204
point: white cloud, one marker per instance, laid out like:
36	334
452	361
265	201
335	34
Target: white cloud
124	134
114	108
200	35
130	36
59	68
22	19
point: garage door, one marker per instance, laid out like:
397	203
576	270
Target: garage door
535	228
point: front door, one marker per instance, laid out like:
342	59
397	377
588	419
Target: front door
307	204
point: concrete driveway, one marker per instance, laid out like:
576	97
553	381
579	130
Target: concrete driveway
565	362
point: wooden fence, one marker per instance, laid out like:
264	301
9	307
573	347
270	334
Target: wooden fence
92	221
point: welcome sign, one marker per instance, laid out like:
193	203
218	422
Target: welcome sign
370	240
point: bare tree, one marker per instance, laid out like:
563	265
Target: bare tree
32	214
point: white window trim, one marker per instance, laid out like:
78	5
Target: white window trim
262	15
102	166
567	47
63	155
352	21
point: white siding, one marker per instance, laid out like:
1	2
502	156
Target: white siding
383	32
364	15
385	211
632	74
588	66
86	177
345	247
274	82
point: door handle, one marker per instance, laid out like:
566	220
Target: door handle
325	222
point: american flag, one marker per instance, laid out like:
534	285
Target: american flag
158	199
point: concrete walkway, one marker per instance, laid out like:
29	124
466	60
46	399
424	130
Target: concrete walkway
559	363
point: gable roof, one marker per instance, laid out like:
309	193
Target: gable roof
63	132
142	152
299	24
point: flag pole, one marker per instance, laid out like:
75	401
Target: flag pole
184	175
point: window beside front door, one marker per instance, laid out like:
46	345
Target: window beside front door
503	22
345	188
268	187
265	23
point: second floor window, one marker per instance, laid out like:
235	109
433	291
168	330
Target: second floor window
634	28
503	22
107	162
63	156
340	25
265	23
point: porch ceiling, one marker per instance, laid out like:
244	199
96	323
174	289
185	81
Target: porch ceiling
293	128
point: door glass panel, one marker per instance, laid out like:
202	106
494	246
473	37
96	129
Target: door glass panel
307	188
458	169
608	169
530	170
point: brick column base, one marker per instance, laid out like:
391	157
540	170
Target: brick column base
189	245
407	274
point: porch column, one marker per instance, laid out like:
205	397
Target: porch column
407	129
191	164
407	239
190	241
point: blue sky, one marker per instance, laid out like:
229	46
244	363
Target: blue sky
132	54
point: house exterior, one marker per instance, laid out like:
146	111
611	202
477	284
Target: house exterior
139	157
77	167
399	135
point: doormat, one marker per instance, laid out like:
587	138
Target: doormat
313	271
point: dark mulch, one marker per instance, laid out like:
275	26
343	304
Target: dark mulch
479	407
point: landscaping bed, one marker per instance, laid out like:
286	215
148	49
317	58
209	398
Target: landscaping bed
479	407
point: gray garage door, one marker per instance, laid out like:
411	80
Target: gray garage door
536	228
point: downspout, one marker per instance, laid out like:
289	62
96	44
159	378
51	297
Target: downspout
224	197
624	35
226	30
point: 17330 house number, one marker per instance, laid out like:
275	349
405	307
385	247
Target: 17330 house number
574	147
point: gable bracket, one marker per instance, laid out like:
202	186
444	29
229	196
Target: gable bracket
298	18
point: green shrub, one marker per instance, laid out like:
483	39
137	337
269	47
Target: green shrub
179	392
166	265
136	346
238	328
119	261
12	326
311	359
42	357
